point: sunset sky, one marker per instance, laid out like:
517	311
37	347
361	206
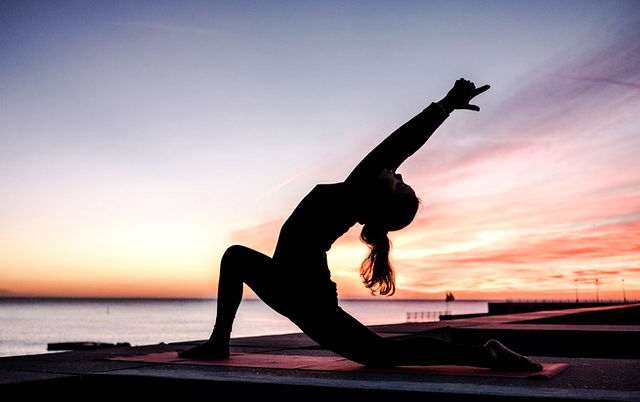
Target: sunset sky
138	140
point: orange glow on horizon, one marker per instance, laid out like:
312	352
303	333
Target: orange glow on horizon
132	182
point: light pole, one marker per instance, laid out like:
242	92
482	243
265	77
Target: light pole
576	280
624	295
597	294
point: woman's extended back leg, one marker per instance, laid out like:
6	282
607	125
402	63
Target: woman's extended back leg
337	330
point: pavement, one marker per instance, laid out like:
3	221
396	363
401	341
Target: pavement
596	372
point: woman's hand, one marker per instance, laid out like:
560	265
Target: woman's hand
461	94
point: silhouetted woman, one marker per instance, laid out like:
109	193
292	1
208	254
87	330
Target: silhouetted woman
296	281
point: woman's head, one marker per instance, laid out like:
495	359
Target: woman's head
392	182
392	205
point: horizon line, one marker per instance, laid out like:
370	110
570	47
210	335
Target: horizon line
142	298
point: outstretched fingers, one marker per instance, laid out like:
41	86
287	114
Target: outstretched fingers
476	92
482	89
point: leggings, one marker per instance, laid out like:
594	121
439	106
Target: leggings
325	322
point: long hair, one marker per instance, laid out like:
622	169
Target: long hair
376	270
395	212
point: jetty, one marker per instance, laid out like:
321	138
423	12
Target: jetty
593	354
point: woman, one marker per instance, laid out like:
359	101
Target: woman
296	281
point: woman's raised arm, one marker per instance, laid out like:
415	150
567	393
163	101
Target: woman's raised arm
412	135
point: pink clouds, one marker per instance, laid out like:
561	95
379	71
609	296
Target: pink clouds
529	198
562	193
590	243
261	237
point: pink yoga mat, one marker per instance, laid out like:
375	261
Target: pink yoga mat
334	363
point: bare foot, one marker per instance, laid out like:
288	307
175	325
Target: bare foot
207	351
506	359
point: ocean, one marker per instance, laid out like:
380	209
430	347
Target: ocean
27	325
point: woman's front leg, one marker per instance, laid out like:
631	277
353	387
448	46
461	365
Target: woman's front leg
228	300
239	265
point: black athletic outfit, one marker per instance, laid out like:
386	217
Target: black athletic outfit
296	282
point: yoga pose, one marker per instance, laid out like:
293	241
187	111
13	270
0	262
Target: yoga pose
296	281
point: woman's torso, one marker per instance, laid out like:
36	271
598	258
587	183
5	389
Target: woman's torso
325	214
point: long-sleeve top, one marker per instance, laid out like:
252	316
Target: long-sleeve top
330	210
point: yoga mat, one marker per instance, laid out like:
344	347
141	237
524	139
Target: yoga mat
335	363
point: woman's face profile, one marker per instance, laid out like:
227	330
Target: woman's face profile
392	182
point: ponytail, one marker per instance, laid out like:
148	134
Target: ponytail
376	270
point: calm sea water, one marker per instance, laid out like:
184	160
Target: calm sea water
27	325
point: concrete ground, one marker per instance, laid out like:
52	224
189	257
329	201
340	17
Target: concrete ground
605	374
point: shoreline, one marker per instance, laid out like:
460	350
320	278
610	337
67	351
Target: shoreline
606	373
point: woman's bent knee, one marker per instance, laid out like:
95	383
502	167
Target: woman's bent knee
234	253
250	266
